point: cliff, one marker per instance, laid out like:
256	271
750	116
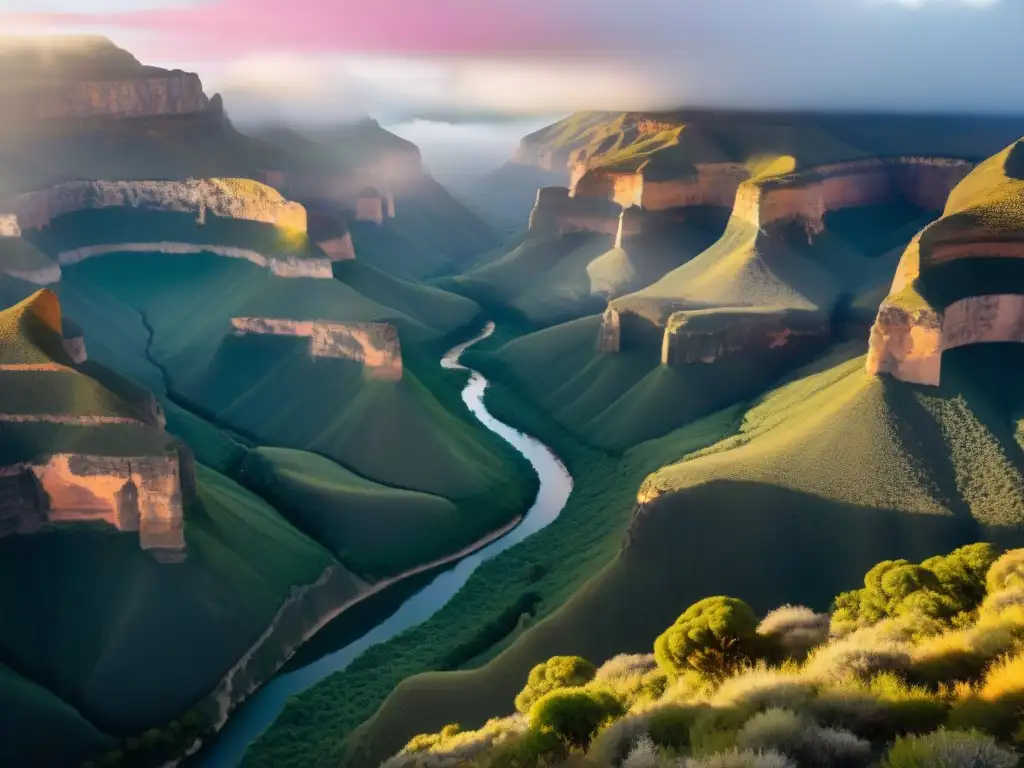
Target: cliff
980	233
47	485
706	336
712	184
173	93
374	345
557	213
806	197
229	198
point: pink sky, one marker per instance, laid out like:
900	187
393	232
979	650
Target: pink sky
228	29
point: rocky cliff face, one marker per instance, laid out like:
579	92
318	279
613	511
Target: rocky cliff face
706	337
374	345
278	266
138	494
338	248
711	184
172	93
9	226
229	198
807	196
557	213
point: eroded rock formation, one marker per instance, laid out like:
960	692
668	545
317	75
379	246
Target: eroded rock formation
370	207
9	226
557	213
375	345
807	196
712	184
338	248
140	494
706	336
609	334
228	198
170	93
908	343
285	266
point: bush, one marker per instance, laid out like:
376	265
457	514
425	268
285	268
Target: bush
644	754
949	749
1006	572
810	745
794	630
614	742
713	637
527	750
557	672
574	714
761	687
669	726
741	759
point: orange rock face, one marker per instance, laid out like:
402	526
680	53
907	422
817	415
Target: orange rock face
176	93
712	184
140	494
375	345
370	208
237	199
687	341
556	213
9	226
338	248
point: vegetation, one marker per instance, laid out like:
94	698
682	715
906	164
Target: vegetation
557	672
862	693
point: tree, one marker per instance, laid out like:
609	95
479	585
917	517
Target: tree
713	637
575	714
557	672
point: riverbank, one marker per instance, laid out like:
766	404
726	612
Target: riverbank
264	703
341	721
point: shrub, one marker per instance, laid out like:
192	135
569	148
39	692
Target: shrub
574	714
761	686
810	745
613	743
643	755
741	759
949	749
669	726
794	630
557	672
1006	572
907	708
712	637
1004	681
625	665
962	573
527	750
975	714
858	656
779	729
997	602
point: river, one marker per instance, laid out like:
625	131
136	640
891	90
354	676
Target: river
260	710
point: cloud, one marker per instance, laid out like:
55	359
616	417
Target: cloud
526	57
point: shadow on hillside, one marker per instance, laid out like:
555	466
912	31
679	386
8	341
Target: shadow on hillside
765	544
1015	162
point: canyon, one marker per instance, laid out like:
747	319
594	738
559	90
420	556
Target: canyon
168	93
374	345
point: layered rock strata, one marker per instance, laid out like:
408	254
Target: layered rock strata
557	213
169	93
229	198
374	345
706	336
279	266
711	184
133	494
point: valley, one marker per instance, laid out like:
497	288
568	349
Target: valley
306	460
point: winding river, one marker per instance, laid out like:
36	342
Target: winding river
261	709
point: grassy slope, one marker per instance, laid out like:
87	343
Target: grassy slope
825	476
618	400
374	530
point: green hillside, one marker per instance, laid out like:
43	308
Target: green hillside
824	476
618	400
356	518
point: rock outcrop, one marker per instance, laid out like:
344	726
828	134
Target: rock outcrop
170	93
228	198
806	197
9	226
134	494
557	213
285	266
609	334
711	184
374	345
706	336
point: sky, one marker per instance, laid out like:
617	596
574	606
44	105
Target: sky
481	73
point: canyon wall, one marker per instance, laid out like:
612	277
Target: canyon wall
286	266
338	248
9	226
807	196
556	213
712	184
908	343
170	93
134	494
229	198
708	336
609	334
375	345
